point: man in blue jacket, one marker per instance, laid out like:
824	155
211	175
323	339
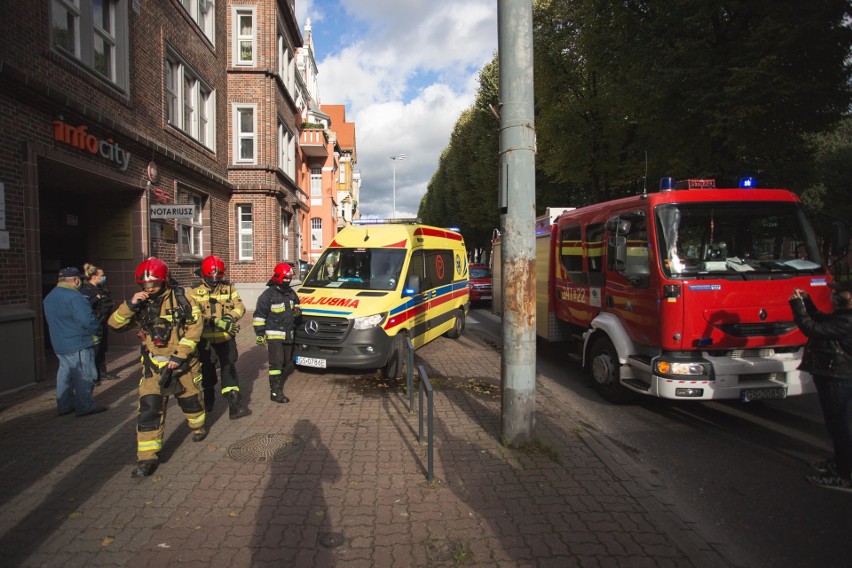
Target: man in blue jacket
74	334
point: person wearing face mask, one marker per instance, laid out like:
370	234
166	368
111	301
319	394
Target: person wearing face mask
274	324
828	358
171	325
221	308
74	334
95	290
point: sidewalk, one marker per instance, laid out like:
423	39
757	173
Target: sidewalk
334	478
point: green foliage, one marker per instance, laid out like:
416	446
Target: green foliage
682	88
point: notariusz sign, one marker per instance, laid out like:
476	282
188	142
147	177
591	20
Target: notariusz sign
172	211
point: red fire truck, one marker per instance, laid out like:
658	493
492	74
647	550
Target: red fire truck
680	294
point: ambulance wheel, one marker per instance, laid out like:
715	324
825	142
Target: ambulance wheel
395	367
458	326
604	367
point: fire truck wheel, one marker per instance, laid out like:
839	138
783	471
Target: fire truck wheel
604	366
458	326
395	367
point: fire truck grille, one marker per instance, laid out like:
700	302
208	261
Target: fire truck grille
321	330
757	329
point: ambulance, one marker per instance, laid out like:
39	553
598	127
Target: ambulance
377	285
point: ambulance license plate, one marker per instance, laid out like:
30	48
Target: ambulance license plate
763	394
310	362
486	297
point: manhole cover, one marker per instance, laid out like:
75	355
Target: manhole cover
262	448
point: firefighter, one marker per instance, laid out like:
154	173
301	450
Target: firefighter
171	327
221	307
274	323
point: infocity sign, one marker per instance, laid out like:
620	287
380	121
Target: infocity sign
79	137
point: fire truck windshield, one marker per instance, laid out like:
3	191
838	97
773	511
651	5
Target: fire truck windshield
747	240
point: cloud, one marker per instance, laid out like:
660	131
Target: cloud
405	69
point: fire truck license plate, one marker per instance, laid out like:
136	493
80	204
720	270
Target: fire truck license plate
310	362
763	394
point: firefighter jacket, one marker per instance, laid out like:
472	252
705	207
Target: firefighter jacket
829	349
223	300
276	313
171	325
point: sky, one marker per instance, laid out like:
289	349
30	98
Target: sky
405	70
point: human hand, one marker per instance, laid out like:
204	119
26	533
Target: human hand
799	294
227	324
138	299
259	340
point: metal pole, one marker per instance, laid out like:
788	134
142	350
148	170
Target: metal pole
517	209
394	188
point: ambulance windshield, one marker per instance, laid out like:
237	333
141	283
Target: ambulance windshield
744	240
357	269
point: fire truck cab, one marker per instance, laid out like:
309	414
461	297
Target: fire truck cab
681	294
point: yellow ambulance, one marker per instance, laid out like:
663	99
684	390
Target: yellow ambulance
376	286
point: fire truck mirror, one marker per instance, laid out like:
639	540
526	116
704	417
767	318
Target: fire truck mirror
616	253
839	238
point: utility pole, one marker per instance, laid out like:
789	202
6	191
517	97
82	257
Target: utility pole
517	213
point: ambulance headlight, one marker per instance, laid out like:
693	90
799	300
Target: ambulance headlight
368	322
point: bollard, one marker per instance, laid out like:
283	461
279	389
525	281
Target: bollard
410	374
427	386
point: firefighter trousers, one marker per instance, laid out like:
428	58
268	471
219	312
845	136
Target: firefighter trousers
281	363
152	409
224	355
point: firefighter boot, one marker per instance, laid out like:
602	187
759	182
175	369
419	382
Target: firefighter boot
199	434
144	468
235	406
276	390
209	398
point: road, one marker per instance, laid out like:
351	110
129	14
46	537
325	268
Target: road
739	469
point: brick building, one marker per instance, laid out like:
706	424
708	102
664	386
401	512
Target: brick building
115	112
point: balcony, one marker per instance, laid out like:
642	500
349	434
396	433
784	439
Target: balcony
314	142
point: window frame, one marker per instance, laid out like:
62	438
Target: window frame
185	89
238	12
239	135
85	31
316	233
286	150
205	19
195	226
316	182
245	235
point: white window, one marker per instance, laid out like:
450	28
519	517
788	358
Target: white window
286	64
203	13
245	36
316	182
94	32
316	233
245	128
285	236
190	102
191	231
286	150
342	177
245	233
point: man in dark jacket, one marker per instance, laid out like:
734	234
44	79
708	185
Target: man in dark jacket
828	358
274	324
74	334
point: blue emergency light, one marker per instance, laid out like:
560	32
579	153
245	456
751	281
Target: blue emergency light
747	183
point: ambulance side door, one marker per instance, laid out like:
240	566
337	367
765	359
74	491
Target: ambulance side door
419	318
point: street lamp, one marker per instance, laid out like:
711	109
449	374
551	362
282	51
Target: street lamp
395	158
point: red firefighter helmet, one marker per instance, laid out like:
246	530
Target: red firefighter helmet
282	273
152	270
213	267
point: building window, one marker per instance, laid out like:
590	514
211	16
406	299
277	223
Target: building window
286	64
244	36
245	233
285	235
286	150
190	102
203	13
316	182
316	233
244	134
94	32
342	174
191	231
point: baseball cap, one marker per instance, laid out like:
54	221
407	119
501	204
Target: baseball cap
841	285
70	272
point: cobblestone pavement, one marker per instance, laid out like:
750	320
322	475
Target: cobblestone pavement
336	477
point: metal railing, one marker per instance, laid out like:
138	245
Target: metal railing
424	385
